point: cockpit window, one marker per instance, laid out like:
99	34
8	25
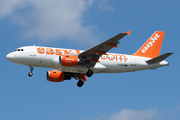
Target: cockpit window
19	50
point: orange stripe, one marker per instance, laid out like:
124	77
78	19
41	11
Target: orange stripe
100	52
83	77
95	60
112	45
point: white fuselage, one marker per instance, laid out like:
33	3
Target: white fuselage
48	57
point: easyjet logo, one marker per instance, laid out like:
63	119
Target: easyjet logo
69	59
150	43
51	51
114	57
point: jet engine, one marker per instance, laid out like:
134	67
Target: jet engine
68	60
57	76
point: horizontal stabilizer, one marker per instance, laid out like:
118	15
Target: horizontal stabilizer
159	58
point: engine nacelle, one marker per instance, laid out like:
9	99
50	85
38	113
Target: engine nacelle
68	60
57	76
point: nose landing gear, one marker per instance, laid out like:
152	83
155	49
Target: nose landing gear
30	73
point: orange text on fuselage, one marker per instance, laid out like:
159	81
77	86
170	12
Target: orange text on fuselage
114	57
52	51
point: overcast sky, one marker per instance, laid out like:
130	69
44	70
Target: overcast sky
81	24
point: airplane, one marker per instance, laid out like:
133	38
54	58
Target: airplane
79	64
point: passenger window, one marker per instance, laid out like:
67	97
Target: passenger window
22	50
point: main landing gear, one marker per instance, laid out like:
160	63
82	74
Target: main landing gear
30	73
80	83
89	73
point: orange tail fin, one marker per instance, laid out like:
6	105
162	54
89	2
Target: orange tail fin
152	46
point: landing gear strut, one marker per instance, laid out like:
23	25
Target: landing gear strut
80	83
89	73
30	73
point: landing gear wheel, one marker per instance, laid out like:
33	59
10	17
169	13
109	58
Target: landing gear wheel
89	73
30	74
80	83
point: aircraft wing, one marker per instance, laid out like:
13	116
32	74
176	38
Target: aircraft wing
95	52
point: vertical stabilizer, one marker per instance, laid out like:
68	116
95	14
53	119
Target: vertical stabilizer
152	46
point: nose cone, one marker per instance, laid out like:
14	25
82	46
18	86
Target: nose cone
10	57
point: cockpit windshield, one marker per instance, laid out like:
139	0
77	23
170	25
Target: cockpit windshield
19	50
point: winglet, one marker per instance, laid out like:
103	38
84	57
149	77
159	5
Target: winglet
128	32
